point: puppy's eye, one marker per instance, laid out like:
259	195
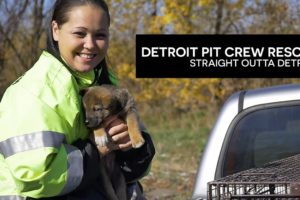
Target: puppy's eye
97	108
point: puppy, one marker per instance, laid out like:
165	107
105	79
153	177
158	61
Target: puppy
100	103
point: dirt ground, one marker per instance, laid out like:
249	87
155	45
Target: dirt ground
169	182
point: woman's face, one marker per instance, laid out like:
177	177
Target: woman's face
83	39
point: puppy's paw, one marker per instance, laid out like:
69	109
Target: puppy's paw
101	140
138	142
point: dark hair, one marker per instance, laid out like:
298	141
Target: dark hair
60	15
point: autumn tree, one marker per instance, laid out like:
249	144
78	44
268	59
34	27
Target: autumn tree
22	27
22	37
196	17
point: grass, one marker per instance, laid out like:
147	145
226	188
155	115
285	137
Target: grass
179	139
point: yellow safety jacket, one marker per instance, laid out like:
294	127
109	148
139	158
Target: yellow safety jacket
40	118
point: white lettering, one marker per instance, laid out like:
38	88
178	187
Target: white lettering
147	53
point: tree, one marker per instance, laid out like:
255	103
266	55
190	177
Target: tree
23	32
21	29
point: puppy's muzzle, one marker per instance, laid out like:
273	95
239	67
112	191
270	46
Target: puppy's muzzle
92	123
87	122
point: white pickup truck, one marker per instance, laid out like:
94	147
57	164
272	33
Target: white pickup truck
254	127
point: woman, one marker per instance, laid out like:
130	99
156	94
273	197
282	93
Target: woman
44	147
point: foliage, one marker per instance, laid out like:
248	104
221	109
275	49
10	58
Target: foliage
200	17
133	17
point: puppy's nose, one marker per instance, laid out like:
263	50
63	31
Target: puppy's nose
86	122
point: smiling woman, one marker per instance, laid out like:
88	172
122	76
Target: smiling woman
45	150
83	40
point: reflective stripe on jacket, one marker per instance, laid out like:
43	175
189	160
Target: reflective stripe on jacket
39	118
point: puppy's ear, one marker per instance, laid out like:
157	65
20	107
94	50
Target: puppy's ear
123	95
83	91
123	92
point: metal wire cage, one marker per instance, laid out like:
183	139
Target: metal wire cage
275	180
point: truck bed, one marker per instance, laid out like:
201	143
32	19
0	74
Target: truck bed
275	180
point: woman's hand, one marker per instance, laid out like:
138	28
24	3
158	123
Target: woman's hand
118	136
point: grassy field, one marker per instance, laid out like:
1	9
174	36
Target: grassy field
179	140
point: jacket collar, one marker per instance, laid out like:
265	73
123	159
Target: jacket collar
83	80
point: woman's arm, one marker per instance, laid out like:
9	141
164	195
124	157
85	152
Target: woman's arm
135	163
90	156
33	143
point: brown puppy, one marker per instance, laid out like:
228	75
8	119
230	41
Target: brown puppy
100	103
